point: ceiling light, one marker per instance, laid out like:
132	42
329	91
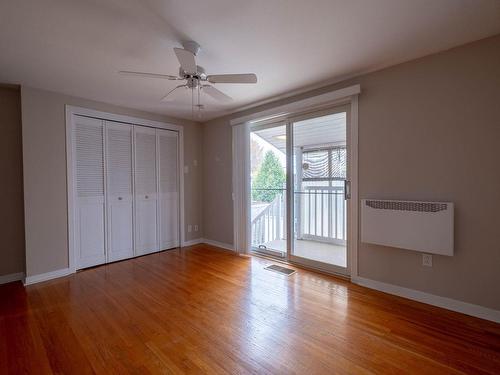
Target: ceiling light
281	137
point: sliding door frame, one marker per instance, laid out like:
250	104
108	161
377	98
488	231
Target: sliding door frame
286	113
71	112
254	128
330	268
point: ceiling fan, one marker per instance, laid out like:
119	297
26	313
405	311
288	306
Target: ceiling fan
195	77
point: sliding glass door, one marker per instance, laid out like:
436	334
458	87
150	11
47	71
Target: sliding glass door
320	181
299	189
268	170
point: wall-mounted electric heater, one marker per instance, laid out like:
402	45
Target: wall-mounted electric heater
419	226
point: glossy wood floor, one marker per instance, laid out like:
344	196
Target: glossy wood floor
202	310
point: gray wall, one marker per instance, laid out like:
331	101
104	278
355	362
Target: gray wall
44	156
11	187
217	181
428	130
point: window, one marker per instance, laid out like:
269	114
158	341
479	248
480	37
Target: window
328	164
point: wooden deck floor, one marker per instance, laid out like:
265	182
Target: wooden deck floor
202	310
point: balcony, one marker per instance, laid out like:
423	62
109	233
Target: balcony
319	224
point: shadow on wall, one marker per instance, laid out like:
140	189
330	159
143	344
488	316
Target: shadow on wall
12	259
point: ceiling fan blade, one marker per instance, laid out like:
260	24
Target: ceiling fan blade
186	59
166	97
216	94
148	75
232	78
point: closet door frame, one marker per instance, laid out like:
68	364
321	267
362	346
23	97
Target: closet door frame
71	112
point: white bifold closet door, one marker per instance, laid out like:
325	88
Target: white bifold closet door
146	186
168	198
88	151
119	174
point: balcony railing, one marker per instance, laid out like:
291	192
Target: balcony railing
320	215
270	223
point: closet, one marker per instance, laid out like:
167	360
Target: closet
126	190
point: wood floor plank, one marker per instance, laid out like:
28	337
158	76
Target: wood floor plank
200	310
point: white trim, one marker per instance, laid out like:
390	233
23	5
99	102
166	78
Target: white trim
196	241
69	189
206	241
431	299
327	99
241	183
354	201
47	276
120	118
4	279
73	110
182	214
222	245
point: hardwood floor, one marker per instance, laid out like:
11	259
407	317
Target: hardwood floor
202	310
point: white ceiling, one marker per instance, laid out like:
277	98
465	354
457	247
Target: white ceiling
76	47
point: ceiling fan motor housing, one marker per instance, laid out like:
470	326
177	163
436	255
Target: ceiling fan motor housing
193	80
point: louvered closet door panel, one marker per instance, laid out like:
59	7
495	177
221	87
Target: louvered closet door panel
168	188
145	190
88	151
119	192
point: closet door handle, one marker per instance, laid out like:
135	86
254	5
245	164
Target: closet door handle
146	197
120	198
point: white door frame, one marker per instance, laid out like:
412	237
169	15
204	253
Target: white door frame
71	111
331	268
241	162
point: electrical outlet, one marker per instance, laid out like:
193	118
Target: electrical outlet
186	169
196	228
190	228
427	260
195	162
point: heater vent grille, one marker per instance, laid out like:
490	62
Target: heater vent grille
412	225
407	206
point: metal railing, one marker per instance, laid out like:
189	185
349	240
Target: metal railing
321	213
270	224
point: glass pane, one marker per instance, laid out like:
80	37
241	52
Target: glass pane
268	190
319	173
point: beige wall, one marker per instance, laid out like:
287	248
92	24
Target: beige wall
11	187
428	130
217	181
44	153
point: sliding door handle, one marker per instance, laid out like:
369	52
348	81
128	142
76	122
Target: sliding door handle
347	189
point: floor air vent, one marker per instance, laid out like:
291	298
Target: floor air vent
279	269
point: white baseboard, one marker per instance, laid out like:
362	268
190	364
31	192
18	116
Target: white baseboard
218	244
192	242
48	276
198	241
4	279
431	299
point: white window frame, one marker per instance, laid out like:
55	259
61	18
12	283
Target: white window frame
71	112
